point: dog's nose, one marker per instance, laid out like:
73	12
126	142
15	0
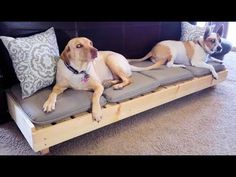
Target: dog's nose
219	48
94	53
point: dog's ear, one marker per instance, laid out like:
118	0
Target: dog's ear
65	55
207	32
220	30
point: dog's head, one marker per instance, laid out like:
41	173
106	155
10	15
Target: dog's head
79	49
212	41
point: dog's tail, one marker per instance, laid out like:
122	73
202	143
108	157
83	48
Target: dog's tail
141	59
154	66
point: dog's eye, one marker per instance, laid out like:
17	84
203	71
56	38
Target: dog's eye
213	40
79	46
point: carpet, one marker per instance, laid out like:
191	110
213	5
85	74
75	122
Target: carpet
203	123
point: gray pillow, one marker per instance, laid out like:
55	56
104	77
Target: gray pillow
34	59
191	32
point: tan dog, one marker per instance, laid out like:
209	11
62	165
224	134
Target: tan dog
83	67
179	53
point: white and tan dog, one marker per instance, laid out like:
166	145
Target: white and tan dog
83	67
181	54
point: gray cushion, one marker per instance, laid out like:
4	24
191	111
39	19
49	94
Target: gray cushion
68	103
165	75
141	84
203	71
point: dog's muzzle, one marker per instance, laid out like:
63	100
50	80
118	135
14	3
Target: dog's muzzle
94	53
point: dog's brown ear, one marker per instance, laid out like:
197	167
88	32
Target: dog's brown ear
65	55
220	30
207	32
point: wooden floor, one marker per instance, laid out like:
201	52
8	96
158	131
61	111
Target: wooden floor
41	137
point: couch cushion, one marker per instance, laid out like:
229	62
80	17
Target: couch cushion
198	72
165	75
141	84
69	103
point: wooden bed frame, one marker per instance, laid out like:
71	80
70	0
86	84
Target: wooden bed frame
42	137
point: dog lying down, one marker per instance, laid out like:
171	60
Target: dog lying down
185	53
83	67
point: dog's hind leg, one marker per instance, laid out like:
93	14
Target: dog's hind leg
109	83
120	73
120	69
125	80
171	64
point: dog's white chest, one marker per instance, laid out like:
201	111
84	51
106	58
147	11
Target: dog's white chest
76	81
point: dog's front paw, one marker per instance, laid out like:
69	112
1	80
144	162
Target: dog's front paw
97	116
49	105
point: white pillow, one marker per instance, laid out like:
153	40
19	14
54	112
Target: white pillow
191	32
34	60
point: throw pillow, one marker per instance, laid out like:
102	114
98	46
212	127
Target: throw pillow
34	60
191	32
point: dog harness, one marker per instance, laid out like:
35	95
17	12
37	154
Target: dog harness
74	71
